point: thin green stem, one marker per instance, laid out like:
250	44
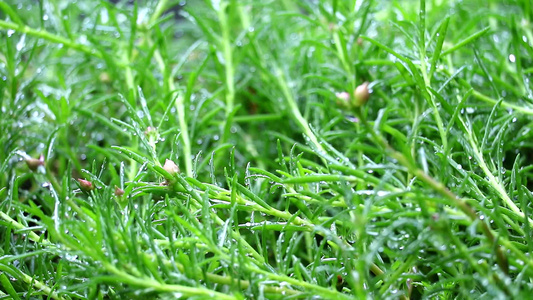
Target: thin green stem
308	286
159	9
184	130
37	239
227	50
492	180
466	41
480	96
444	192
150	283
427	80
31	235
518	108
341	53
300	120
179	103
39	285
41	33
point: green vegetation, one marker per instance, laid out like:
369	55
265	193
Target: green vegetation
289	185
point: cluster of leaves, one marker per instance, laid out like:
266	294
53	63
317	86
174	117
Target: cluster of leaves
424	191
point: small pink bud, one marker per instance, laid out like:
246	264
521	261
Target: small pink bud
150	130
33	163
361	95
118	191
171	167
344	96
85	185
343	99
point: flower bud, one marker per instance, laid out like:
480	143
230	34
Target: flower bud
150	130
104	77
85	185
118	191
152	135
171	167
361	95
343	99
33	163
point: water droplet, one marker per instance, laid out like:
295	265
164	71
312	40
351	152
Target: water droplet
70	257
21	43
512	58
82	39
10	32
45	18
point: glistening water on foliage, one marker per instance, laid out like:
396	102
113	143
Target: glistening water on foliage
273	149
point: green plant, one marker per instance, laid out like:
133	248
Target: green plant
198	150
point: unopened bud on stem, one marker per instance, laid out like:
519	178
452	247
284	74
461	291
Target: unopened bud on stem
171	167
118	191
361	95
85	185
33	163
150	131
343	99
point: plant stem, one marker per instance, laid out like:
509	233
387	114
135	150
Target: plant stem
228	65
179	100
41	33
442	190
427	81
300	120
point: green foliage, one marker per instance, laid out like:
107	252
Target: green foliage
424	191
